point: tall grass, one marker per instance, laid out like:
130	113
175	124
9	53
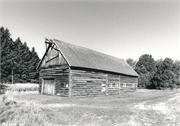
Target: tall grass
30	114
22	87
13	113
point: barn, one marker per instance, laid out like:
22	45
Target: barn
71	70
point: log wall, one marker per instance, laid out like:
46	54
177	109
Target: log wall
86	83
113	84
128	83
60	75
73	82
91	83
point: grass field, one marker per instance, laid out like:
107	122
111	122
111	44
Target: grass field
141	108
18	88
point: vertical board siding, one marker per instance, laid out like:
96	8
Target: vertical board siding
53	58
48	86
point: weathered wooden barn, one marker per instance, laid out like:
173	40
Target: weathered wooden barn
70	70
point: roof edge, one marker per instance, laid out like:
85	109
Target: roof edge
99	70
50	44
61	52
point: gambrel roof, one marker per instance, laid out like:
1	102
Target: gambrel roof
77	56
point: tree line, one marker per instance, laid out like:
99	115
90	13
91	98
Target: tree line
21	62
17	60
156	74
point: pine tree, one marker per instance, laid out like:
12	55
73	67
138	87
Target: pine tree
17	57
6	43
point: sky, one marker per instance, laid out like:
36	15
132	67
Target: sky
121	28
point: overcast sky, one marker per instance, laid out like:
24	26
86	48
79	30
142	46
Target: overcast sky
122	28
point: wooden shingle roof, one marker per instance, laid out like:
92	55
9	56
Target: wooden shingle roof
77	56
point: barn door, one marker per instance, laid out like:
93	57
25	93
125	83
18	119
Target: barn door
48	86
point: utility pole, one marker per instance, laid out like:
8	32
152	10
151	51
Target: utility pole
12	76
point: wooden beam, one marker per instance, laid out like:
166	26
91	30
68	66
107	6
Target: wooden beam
52	58
44	56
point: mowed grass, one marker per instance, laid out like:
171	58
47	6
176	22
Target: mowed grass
119	110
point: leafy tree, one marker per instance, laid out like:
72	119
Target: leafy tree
177	72
177	68
131	62
146	67
167	74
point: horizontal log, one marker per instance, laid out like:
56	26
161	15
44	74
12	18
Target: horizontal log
78	85
80	91
83	85
85	88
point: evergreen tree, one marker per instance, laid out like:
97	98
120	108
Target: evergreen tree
6	42
17	57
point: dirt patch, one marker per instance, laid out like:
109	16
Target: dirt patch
168	110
